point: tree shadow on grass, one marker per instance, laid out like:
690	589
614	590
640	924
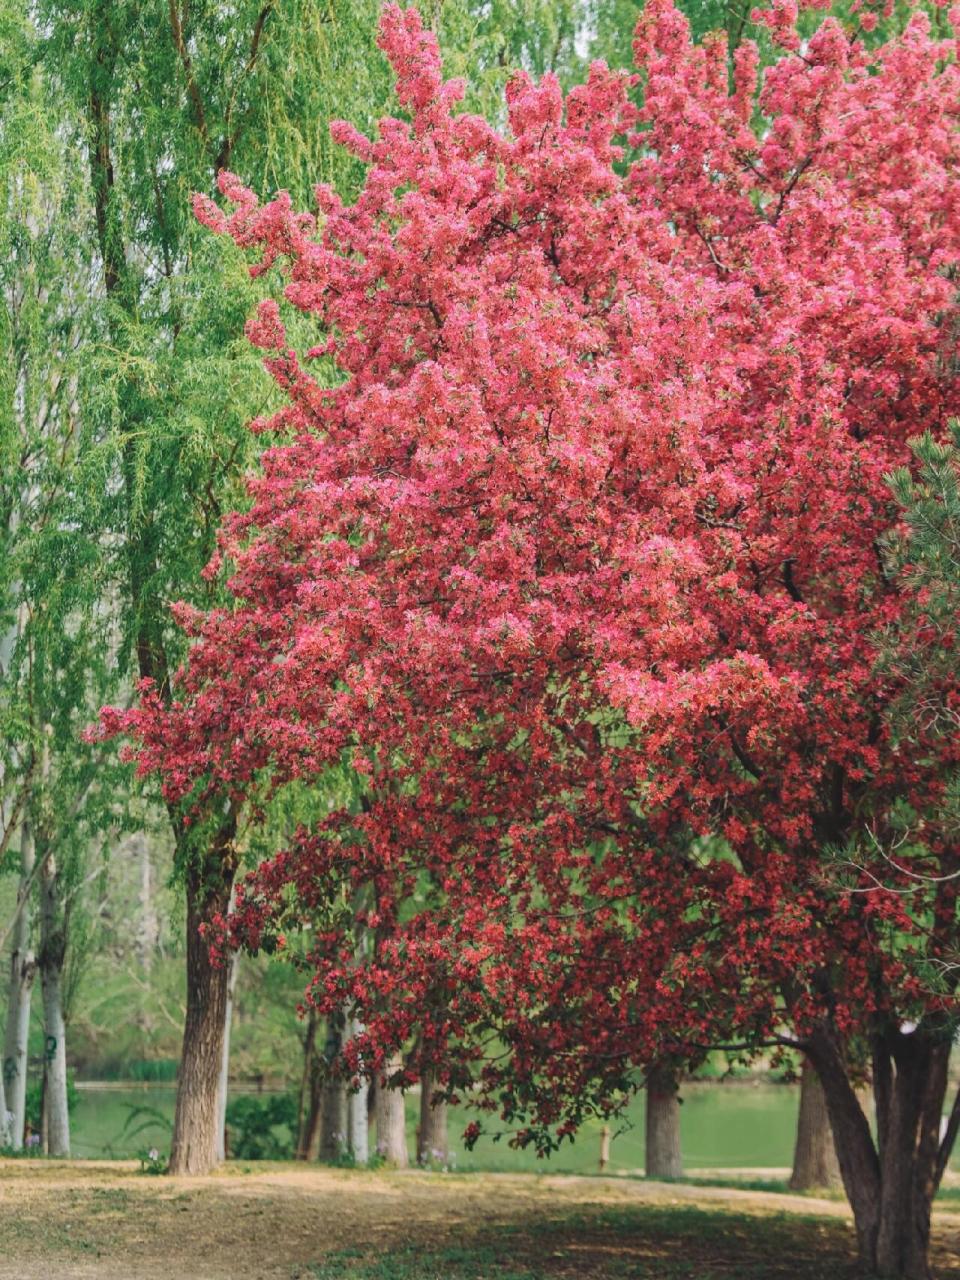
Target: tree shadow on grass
637	1242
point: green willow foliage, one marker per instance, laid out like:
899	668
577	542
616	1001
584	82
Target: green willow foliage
54	631
161	98
927	549
127	382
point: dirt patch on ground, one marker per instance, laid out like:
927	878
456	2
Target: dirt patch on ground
71	1221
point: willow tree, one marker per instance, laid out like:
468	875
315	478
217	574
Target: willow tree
168	96
55	634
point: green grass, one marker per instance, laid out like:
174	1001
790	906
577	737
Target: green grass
643	1242
410	1263
946	1196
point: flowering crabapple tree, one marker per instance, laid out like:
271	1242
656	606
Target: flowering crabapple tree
572	545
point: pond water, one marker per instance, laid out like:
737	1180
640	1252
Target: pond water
733	1124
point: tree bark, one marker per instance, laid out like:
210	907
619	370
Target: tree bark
22	972
663	1155
358	1131
334	1120
196	1120
890	1186
815	1157
432	1142
53	944
392	1119
311	1092
149	929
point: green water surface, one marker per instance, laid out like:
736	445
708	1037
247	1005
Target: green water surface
732	1124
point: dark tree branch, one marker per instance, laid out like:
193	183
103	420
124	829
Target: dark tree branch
947	1143
790	582
193	89
230	140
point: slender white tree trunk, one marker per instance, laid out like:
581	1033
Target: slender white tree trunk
22	972
358	1131
357	1126
52	950
149	928
392	1120
225	1059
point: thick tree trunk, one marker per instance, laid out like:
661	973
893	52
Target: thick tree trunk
856	1154
53	943
224	1085
890	1187
196	1120
663	1154
392	1120
432	1142
815	1157
909	1154
22	972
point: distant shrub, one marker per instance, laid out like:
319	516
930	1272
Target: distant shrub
34	1099
163	1070
262	1126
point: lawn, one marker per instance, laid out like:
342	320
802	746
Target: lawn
77	1221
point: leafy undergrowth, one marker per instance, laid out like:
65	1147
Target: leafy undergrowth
631	1243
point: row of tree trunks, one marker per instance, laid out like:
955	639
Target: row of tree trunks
815	1162
334	1121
